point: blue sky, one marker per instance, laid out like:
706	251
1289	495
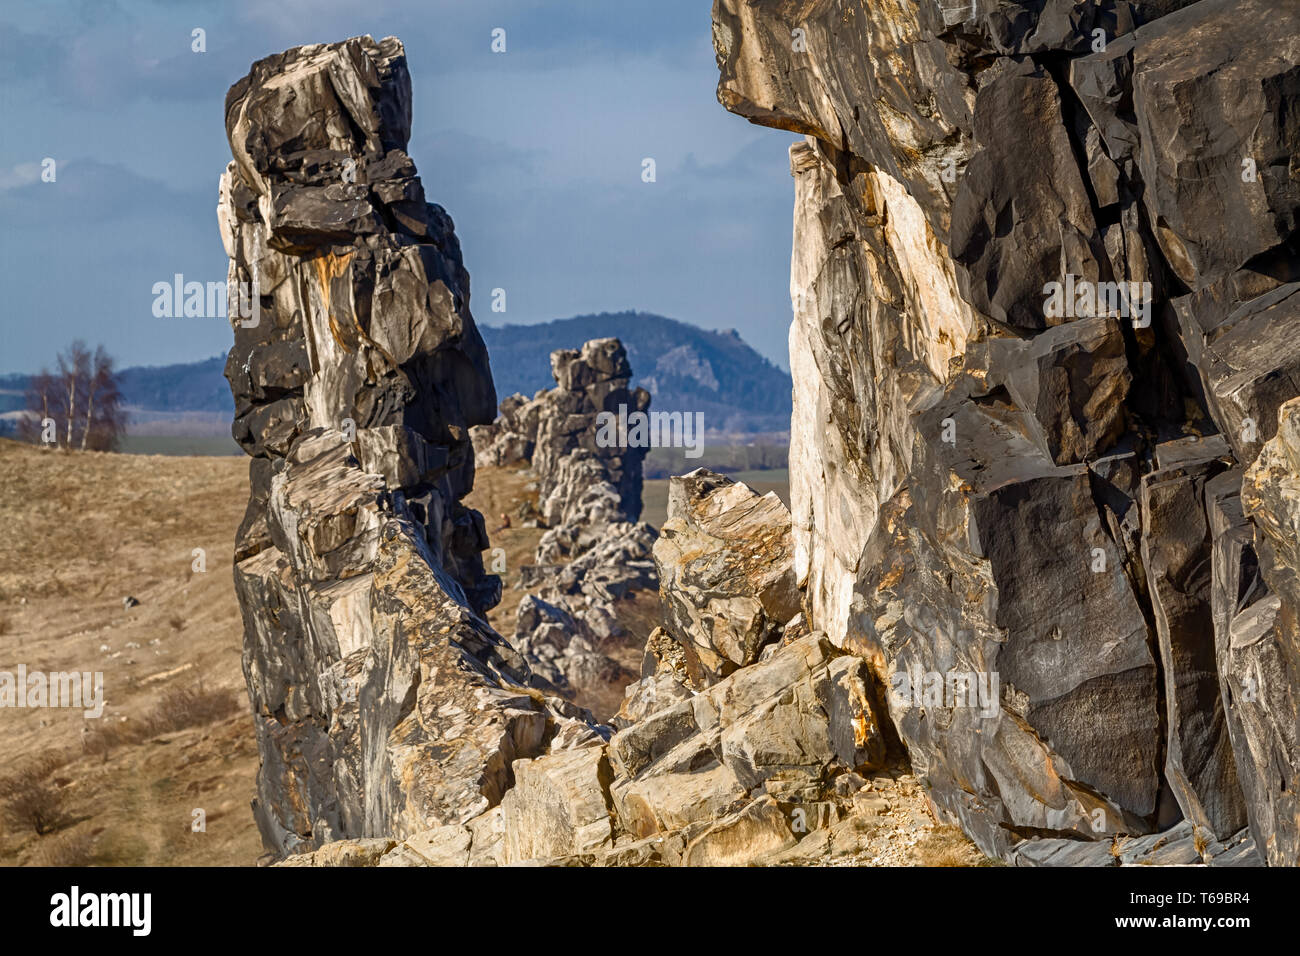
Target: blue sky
536	153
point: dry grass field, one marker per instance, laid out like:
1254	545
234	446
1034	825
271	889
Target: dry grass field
83	532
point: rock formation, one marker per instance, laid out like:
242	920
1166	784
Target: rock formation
726	560
384	704
1260	651
594	551
764	765
512	437
1044	468
572	464
1044	285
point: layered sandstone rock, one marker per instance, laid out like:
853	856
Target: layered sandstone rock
384	704
668	792
986	481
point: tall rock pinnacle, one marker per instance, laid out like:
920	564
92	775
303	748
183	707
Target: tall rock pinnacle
384	704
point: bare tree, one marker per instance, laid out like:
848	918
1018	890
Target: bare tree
74	376
105	420
83	399
42	397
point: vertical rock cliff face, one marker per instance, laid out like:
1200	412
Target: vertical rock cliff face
384	704
996	476
1260	653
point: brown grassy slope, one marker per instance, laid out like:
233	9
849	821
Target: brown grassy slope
83	531
500	491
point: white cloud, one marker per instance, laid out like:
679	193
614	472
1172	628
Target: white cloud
23	174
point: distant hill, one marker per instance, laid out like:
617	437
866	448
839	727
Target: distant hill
193	387
188	387
684	367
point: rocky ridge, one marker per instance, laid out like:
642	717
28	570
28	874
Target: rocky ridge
594	552
773	763
1043	547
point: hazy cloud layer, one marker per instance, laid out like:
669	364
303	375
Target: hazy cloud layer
536	153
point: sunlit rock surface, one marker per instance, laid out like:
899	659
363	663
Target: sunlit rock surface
384	704
985	481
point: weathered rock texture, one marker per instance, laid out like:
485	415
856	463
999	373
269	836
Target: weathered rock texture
1054	550
512	437
572	466
985	485
763	765
594	552
384	704
1261	666
725	559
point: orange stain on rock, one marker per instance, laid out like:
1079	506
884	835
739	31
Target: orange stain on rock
329	267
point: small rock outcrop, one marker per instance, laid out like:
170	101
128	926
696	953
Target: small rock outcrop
384	704
512	437
726	562
584	481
